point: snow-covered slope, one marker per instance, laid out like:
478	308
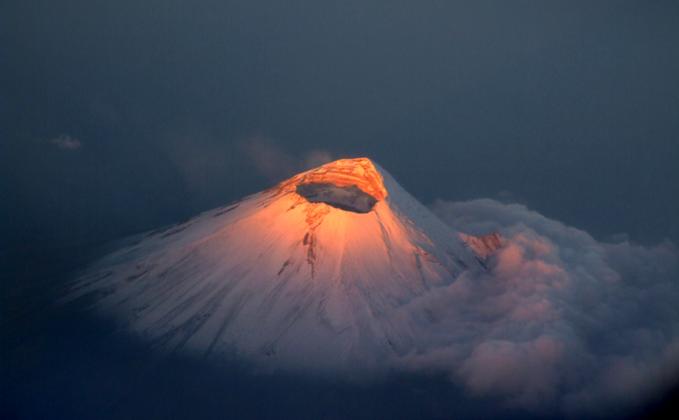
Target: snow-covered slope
483	246
311	272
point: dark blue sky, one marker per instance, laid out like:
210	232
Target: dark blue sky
121	116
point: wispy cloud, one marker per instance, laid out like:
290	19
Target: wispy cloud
275	163
66	142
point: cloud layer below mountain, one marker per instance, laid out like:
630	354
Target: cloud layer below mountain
561	321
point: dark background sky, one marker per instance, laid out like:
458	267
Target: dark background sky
571	107
122	116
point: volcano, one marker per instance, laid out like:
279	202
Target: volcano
314	272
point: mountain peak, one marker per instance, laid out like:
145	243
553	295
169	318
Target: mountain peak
312	273
349	184
359	172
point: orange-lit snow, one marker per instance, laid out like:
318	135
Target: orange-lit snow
483	246
360	172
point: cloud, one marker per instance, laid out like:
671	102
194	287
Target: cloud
211	167
560	322
315	158
200	160
276	164
66	142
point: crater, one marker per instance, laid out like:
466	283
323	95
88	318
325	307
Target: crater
348	198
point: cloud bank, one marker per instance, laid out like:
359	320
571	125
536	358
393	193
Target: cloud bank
560	322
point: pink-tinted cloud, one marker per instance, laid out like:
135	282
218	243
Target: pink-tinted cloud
560	321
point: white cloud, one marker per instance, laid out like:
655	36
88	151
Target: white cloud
276	164
66	142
